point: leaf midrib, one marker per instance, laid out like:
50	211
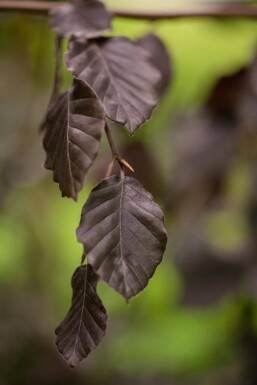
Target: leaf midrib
73	193
120	232
105	64
82	312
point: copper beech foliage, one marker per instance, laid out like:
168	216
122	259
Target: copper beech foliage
74	127
84	326
123	234
121	229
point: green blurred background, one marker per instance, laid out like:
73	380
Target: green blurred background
155	339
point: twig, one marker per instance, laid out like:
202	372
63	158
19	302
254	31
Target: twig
111	142
217	12
110	168
115	155
42	7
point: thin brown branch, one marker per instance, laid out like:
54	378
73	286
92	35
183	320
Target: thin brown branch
42	7
38	7
115	155
109	169
219	12
111	142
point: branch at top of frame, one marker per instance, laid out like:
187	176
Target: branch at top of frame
42	7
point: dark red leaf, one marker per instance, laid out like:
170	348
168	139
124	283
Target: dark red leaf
123	234
74	127
120	73
84	326
81	19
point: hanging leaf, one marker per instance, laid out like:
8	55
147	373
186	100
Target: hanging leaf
74	126
123	234
84	326
121	75
160	58
81	19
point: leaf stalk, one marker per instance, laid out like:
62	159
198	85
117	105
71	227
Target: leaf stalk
115	155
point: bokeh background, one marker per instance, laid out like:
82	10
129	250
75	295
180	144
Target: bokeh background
196	323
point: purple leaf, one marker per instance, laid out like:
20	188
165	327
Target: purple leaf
123	234
122	76
81	19
74	127
84	326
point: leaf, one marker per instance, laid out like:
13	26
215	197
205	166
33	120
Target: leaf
74	126
160	58
81	19
121	75
123	234
84	326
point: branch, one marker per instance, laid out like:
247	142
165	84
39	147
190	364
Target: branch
111	142
115	155
39	7
42	7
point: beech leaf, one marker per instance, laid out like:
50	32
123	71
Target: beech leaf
123	234
81	19
120	73
84	326
74	126
160	58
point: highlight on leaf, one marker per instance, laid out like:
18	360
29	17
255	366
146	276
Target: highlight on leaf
123	234
122	76
81	19
74	126
84	326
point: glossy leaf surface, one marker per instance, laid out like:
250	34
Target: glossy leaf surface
120	73
123	234
74	126
81	19
84	326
